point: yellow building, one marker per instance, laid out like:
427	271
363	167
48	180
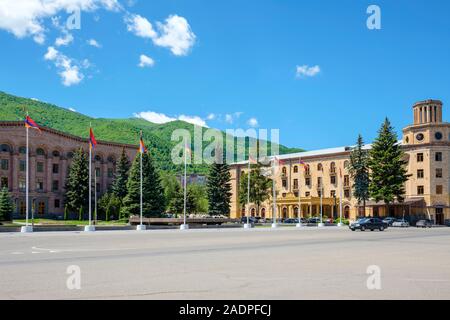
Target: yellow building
427	147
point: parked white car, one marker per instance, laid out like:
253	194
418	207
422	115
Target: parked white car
401	224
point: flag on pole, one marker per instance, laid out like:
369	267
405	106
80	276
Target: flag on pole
142	148
92	141
305	165
30	123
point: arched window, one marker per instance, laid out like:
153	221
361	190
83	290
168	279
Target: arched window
98	158
284	171
56	153
295	169
296	211
70	155
333	167
112	159
284	213
22	150
40	152
346	212
243	211
5	148
253	212
346	164
319	167
263	212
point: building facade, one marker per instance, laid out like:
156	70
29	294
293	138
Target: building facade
427	149
50	156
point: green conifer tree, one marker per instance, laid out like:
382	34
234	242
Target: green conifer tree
219	189
387	165
153	193
6	206
359	170
77	188
119	186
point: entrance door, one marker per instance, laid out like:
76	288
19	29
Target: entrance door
41	208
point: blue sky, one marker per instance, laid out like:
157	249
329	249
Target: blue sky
236	62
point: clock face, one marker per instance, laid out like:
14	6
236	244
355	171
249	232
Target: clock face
438	135
420	136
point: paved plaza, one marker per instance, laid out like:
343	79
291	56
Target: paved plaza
287	263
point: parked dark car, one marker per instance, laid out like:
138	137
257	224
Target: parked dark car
290	221
368	224
314	220
251	220
389	220
425	223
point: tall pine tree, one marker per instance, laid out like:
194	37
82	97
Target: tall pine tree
359	170
260	187
77	187
119	186
153	193
388	172
219	189
6	206
176	204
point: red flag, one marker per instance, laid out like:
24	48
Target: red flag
92	141
30	123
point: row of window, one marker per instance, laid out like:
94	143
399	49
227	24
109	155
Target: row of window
437	157
333	181
319	168
421	190
347	194
421	174
4	165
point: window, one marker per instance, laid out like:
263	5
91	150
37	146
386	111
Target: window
39	185
438	135
4	164
284	171
284	183
22	184
308	181
97	172
439	210
420	157
439	189
22	165
319	181
420	190
55	185
69	155
420	174
98	188
438	156
57	203
333	193
319	193
40	167
98	158
319	167
346	164
333	179
295	169
307	194
439	173
4	183
40	152
22	150
295	183
346	181
332	168
347	193
111	159
5	148
55	168
296	194
56	154
110	173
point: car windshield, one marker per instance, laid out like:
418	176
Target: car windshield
361	220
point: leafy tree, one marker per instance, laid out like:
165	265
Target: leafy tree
359	170
387	166
66	213
119	186
260	187
199	196
176	204
153	194
77	188
6	205
170	183
109	206
219	189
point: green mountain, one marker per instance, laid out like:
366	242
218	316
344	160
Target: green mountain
157	136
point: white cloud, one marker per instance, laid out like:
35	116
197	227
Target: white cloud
146	61
307	71
60	41
69	71
229	118
26	18
252	122
175	33
140	26
94	43
161	118
72	109
211	116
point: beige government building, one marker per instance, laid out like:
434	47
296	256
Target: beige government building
427	146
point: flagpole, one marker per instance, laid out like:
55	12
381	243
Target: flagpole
321	224
247	225
274	195
90	227
141	195
141	226
27	228
185	226
95	197
299	211
340	224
